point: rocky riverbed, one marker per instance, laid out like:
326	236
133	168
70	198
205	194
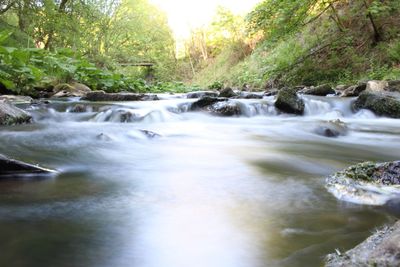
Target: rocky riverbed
242	170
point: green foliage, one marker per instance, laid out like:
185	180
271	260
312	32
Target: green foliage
24	69
107	32
217	85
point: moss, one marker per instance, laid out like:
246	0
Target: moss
363	171
380	104
288	101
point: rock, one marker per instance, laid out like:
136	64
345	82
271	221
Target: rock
17	99
342	87
150	134
355	90
380	249
332	128
321	90
104	137
70	90
394	86
225	108
247	95
103	96
81	87
246	87
376	86
204	102
117	115
366	183
288	101
271	92
10	168
253	96
382	104
10	115
79	108
201	94
227	92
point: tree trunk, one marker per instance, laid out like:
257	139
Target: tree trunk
377	34
336	18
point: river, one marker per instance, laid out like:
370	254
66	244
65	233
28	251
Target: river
209	191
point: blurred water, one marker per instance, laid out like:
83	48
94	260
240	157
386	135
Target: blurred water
209	191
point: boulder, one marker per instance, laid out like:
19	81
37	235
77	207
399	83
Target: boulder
383	104
380	249
227	92
103	96
201	94
366	183
394	86
10	168
321	90
225	109
376	86
70	90
354	90
205	102
10	115
332	128
288	101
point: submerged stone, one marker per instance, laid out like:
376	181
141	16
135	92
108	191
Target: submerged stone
150	134
10	168
79	108
332	128
204	102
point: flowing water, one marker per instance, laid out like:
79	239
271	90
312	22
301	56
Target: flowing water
209	191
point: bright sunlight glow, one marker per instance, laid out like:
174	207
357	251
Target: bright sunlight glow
184	15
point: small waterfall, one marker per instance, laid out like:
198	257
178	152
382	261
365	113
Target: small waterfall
133	115
118	115
257	109
331	107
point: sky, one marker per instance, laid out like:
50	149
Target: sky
184	15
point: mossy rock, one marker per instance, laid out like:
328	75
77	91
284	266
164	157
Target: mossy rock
367	183
288	101
321	90
382	104
70	90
